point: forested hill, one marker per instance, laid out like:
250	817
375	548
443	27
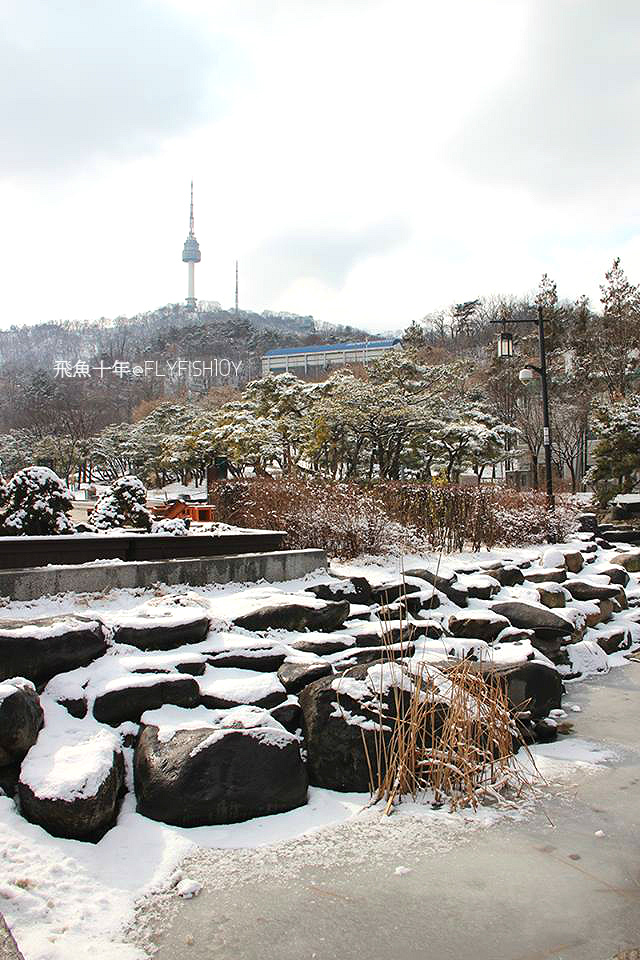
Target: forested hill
31	389
169	331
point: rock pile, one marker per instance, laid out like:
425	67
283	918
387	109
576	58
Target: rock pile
226	705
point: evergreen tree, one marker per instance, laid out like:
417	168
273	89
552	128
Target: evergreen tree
35	503
124	505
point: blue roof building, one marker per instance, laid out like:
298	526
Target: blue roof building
318	357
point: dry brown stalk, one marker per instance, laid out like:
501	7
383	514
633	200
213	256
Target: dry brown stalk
453	737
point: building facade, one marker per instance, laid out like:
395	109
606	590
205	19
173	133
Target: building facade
317	357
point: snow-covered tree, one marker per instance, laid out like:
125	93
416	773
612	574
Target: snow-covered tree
123	506
16	451
617	451
617	350
35	502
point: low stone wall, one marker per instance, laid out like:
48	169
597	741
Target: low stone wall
29	584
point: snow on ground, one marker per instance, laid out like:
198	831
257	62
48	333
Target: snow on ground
66	898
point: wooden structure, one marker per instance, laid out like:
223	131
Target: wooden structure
179	510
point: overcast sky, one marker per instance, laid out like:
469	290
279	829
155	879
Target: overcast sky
366	161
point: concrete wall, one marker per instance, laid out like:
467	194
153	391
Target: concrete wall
37	582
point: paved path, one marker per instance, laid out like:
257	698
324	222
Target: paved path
516	891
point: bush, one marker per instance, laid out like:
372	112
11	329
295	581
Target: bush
170	527
347	520
125	505
35	503
453	518
340	518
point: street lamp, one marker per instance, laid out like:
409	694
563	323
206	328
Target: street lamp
505	344
526	376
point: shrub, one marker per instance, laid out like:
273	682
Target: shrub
347	520
35	502
124	505
453	518
340	518
170	526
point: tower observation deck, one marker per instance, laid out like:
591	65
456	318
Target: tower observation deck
191	256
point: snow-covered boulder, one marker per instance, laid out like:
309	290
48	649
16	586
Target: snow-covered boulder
323	644
160	628
127	697
532	686
552	595
293	614
39	649
294	675
597	611
353	589
21	718
568	557
615	571
574	561
349	658
546	574
507	574
553	557
629	559
611	639
446	581
221	688
480	586
337	713
596	588
288	714
197	767
478	624
391	590
531	617
245	653
583	659
72	779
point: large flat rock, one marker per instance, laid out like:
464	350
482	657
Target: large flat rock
128	697
531	617
39	649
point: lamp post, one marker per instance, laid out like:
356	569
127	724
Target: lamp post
505	349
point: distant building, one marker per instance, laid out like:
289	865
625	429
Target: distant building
319	357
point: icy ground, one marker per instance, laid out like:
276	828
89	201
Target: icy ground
66	899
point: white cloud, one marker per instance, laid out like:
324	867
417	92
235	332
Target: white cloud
365	161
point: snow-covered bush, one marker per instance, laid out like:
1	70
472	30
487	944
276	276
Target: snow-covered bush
347	519
340	518
35	502
523	517
170	526
123	506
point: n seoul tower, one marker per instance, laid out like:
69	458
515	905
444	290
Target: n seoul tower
191	255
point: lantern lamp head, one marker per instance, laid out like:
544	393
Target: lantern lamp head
505	344
526	375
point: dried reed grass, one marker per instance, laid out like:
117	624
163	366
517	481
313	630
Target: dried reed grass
453	737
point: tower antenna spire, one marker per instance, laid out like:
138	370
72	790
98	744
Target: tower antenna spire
236	288
191	256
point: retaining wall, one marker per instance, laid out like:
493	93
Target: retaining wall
29	584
